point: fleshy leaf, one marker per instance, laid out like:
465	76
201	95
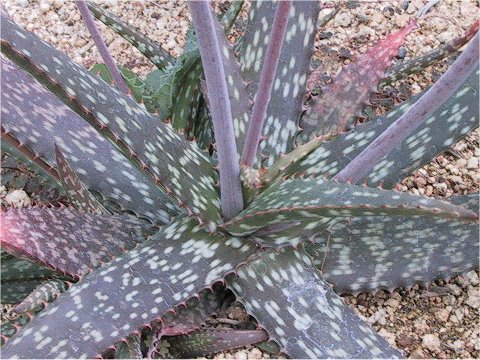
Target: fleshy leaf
341	102
42	294
448	124
373	253
150	280
285	106
20	277
300	310
97	163
421	62
311	199
69	241
130	348
154	52
78	193
209	341
141	137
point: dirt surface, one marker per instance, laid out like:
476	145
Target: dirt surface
441	321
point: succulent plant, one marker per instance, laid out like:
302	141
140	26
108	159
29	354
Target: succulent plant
172	193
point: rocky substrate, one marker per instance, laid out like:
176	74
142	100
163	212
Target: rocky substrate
440	321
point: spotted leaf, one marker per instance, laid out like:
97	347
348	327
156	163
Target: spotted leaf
310	199
422	62
147	142
130	348
285	106
154	52
19	277
342	101
35	119
68	241
79	195
210	341
299	309
42	294
448	124
151	279
372	253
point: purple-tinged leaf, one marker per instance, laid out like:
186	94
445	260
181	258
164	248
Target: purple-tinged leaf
130	348
231	189
341	102
423	108
285	106
265	82
373	253
129	292
286	295
154	52
19	278
421	62
42	294
306	200
78	193
68	241
448	124
210	341
101	46
147	142
45	120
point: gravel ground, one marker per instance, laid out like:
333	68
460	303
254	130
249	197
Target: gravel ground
441	321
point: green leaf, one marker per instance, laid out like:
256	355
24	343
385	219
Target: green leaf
300	310
134	83
448	124
285	106
311	199
210	341
128	293
154	52
19	278
45	120
69	241
147	142
42	294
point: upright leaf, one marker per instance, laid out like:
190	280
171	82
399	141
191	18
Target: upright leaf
300	310
154	52
141	137
342	101
121	298
448	124
289	87
46	120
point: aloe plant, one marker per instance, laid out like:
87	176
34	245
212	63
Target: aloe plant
156	226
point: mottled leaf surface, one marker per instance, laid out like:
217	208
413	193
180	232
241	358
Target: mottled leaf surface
77	191
42	294
341	101
421	62
147	142
19	277
154	52
37	119
67	240
210	341
311	199
285	106
300	310
448	124
128	293
372	253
